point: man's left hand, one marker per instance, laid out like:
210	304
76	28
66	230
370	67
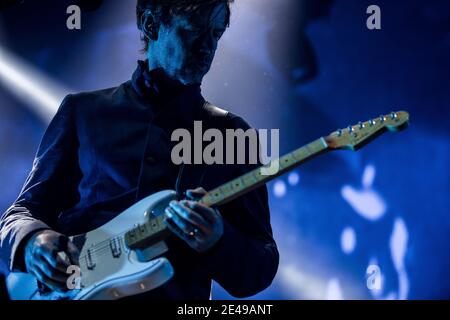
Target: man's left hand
199	226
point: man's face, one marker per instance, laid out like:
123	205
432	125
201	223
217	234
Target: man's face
185	49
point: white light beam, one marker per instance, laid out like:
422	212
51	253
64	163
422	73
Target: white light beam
31	86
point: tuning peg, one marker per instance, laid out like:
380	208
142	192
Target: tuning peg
339	132
394	115
350	129
361	125
382	119
371	122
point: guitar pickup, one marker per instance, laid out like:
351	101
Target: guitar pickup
90	262
114	245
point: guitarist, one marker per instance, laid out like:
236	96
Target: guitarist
105	150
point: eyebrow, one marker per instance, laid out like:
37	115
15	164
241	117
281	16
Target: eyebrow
210	24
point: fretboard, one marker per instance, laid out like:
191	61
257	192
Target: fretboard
256	178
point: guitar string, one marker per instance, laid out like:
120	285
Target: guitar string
101	251
96	248
99	248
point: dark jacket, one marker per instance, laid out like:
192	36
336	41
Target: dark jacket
105	150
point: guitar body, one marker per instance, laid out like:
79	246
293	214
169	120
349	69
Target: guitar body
109	269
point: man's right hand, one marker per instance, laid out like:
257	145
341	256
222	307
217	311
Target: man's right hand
43	261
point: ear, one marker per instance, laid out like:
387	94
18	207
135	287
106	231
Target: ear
149	26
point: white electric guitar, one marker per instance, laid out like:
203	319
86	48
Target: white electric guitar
124	257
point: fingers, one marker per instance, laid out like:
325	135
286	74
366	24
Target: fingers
208	213
178	231
189	216
53	265
183	217
73	252
60	256
67	251
55	261
175	218
48	254
195	194
50	277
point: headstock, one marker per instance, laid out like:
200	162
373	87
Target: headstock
356	136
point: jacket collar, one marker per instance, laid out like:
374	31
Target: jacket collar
167	96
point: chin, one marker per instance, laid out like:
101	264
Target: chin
192	79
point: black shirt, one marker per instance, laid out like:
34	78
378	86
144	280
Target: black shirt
105	150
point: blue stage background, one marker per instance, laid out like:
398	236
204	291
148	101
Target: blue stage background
306	67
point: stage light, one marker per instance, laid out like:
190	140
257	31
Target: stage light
348	240
37	91
279	189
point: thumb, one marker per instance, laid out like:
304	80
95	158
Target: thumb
195	194
73	252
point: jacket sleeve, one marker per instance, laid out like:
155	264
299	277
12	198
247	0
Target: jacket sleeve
245	260
51	187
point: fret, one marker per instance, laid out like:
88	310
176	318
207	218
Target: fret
233	190
297	154
283	163
220	193
226	189
243	184
153	229
258	174
301	153
308	149
249	178
291	155
216	194
292	161
237	184
206	200
288	161
315	146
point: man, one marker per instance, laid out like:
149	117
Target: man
105	150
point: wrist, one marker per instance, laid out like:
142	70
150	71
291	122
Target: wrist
27	248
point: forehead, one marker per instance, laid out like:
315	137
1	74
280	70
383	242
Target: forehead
208	15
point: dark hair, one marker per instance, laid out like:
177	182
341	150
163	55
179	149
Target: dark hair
163	10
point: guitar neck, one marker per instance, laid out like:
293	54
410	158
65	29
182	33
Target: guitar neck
255	178
352	137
